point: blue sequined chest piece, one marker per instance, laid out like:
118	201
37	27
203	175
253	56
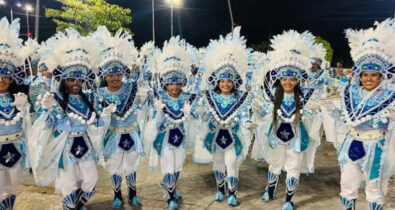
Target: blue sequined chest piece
6	110
77	105
224	103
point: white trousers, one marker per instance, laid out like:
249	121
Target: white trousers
351	178
226	160
282	156
123	163
84	172
172	161
9	178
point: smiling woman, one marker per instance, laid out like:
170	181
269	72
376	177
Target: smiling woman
370	80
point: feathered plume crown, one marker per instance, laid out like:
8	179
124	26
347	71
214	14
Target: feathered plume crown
373	49
318	54
30	49
226	58
174	62
73	56
146	51
11	53
118	53
44	51
291	55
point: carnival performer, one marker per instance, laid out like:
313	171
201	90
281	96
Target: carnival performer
368	110
14	114
69	128
225	134
42	82
123	146
284	141
168	131
145	55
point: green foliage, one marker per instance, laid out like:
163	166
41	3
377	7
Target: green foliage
87	15
327	46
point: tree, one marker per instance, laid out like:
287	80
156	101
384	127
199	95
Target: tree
327	46
87	15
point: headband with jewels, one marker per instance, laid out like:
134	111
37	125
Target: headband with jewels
173	63
73	56
118	53
373	49
290	56
226	58
11	53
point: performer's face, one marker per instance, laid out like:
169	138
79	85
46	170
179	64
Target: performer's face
73	85
46	74
225	86
114	81
288	84
4	84
370	79
174	89
314	67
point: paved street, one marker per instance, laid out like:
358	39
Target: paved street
197	185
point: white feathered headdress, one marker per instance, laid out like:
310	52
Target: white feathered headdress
373	49
73	56
117	53
318	54
11	53
30	49
44	51
291	55
146	51
174	64
226	58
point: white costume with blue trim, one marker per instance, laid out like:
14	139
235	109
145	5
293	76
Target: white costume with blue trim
122	143
167	132
69	130
15	120
288	145
368	150
223	133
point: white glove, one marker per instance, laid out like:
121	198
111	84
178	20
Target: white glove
109	110
251	126
158	105
200	110
314	105
20	100
48	101
329	105
391	114
186	109
257	104
141	92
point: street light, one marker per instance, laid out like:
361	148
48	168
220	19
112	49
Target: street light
28	9
172	4
231	15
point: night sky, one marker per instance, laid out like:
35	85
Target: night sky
198	21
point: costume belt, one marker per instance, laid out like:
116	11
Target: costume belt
123	130
367	135
169	125
11	137
76	134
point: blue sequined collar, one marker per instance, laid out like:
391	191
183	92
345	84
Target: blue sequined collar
233	107
358	106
